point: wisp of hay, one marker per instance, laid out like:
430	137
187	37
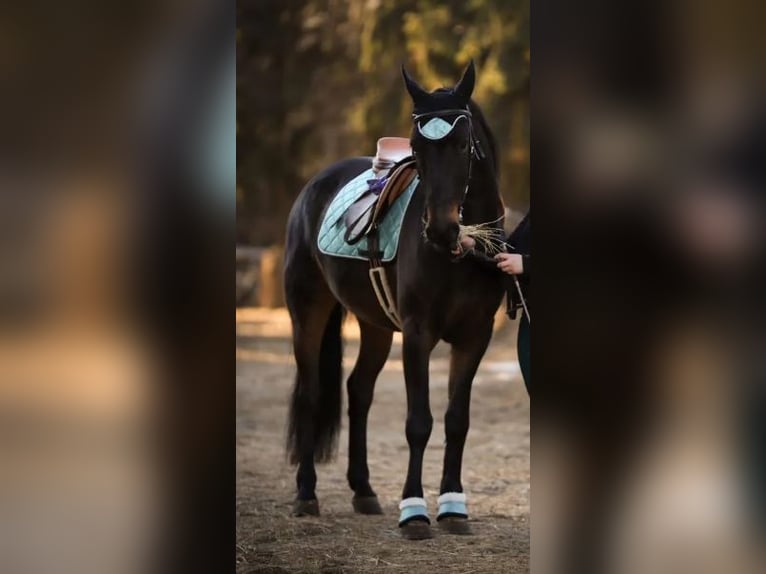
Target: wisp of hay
490	238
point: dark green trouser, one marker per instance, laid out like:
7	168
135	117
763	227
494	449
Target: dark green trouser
754	435
522	346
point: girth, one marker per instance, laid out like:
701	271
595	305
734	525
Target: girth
379	279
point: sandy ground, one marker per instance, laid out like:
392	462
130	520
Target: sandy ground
495	467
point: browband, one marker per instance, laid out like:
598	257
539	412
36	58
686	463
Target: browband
463	112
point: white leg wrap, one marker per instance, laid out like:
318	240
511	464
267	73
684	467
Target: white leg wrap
452	504
413	501
452	497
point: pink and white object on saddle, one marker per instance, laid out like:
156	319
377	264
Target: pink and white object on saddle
390	150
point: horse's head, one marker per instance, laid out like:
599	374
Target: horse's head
443	145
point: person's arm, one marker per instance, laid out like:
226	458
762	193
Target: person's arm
517	262
511	263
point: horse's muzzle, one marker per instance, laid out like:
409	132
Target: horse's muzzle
443	236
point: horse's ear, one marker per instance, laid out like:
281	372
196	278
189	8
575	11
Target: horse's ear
464	88
418	94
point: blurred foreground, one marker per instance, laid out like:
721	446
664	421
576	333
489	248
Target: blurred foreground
648	168
116	211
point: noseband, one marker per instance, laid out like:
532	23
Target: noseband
437	128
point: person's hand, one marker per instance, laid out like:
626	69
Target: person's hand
464	244
510	263
467	242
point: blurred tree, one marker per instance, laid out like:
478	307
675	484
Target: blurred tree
319	80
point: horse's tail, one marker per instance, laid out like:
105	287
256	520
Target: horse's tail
322	423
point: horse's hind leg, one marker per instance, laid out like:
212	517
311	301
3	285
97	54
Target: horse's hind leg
315	405
373	351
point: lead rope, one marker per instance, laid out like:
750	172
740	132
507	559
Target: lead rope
523	300
521	294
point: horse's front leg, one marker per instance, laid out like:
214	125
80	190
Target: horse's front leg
416	351
464	362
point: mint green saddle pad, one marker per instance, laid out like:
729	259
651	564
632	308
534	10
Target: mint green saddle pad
333	229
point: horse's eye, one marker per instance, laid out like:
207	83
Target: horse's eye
464	146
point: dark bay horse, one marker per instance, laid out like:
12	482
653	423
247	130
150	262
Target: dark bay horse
439	297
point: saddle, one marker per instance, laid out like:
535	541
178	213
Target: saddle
366	212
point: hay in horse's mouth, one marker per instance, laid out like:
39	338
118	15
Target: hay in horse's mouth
490	238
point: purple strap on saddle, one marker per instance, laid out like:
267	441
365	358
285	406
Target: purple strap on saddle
377	185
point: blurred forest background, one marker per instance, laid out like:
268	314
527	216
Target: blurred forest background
319	80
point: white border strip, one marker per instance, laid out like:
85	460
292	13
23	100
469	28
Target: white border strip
452	497
412	501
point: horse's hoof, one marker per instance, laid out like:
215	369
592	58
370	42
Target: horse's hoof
366	505
306	507
416	530
455	525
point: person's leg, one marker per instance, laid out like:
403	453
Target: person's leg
523	349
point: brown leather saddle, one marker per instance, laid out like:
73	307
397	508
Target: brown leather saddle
366	212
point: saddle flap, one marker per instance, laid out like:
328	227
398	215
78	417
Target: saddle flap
399	181
358	217
331	235
371	207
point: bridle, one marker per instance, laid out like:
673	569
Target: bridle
476	152
475	146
